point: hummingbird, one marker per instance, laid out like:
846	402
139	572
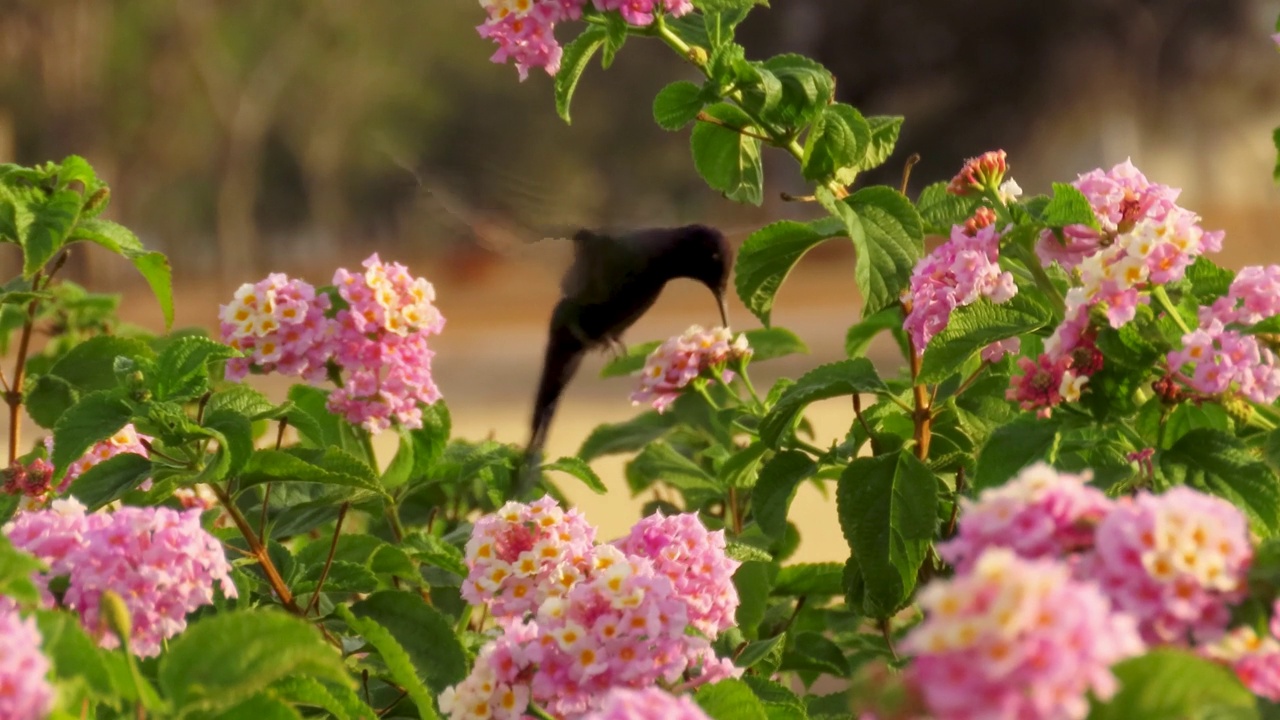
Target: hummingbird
613	281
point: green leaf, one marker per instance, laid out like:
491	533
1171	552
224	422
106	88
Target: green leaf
845	377
578	468
263	706
741	468
74	168
776	488
767	258
807	579
226	658
884	137
860	335
341	702
88	365
51	222
727	159
577	55
399	663
426	635
1069	206
1219	463
616	27
817	653
153	266
75	655
181	368
95	418
807	87
48	398
631	362
241	399
677	105
401	467
752	583
888	512
434	551
1208	281
836	145
973	327
110	479
236	441
660	461
711	6
940	210
627	436
770	343
1014	446
430	439
887	235
331	466
758	650
16	569
730	700
1168	683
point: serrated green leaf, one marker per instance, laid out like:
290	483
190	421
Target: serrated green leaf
677	104
1169	683
236	437
767	258
426	635
779	702
430	439
741	468
434	551
331	466
730	700
48	398
887	235
758	650
88	366
973	327
627	436
16	570
1219	463
577	55
941	210
659	461
340	702
1069	206
776	488
181	371
817	653
51	222
807	87
712	6
223	659
95	418
74	168
578	468
241	399
75	655
810	579
110	479
726	158
884	137
153	266
1014	446
752	583
845	377
616	28
836	145
860	335
630	362
397	659
1208	281
888	512
774	342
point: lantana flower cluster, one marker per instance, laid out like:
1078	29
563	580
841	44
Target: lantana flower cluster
1166	569
1255	658
1216	357
628	704
955	274
1018	638
1143	239
160	561
377	342
33	480
524	30
683	358
25	692
596	617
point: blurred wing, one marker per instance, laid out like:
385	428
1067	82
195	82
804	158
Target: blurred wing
601	265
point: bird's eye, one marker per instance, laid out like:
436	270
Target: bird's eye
716	257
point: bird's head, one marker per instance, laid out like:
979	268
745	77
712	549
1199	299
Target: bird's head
703	254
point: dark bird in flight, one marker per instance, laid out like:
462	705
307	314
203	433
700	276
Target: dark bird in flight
613	281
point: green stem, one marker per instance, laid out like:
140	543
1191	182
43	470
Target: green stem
539	713
1162	297
328	561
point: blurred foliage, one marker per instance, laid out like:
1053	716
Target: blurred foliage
326	125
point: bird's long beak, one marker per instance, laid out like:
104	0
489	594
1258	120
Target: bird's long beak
724	307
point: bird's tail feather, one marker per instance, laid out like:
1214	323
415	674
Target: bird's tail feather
563	357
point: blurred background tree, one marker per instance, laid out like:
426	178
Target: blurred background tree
239	135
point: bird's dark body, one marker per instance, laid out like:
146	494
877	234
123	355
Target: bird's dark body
613	281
